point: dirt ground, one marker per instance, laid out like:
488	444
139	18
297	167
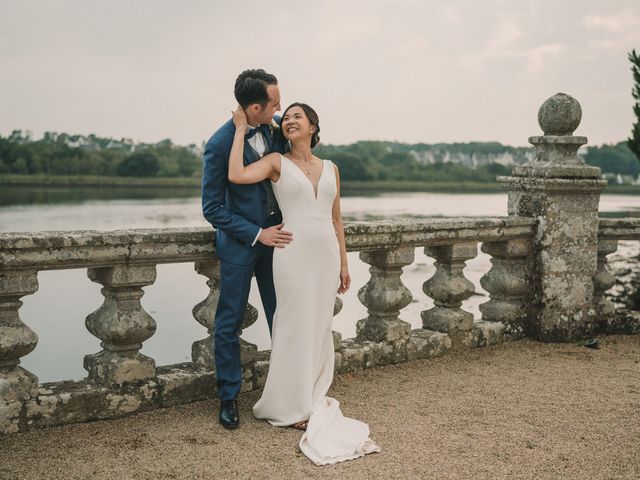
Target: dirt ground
520	410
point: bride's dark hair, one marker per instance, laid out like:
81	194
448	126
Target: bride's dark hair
313	119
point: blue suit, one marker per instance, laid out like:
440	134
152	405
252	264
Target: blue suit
238	212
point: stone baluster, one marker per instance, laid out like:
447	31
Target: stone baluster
337	336
507	283
204	312
16	341
202	351
448	287
385	295
122	325
248	351
558	189
603	281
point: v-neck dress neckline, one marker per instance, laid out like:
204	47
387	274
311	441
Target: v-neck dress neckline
314	187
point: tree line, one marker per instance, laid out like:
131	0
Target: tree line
62	154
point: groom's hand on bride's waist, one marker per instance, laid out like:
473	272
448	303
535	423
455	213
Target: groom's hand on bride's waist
275	236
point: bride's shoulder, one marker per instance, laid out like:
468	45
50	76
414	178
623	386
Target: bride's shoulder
335	167
272	157
323	160
275	160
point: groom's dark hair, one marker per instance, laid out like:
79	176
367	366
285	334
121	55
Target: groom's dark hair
251	87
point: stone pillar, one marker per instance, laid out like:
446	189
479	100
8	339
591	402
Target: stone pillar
122	325
562	192
202	351
507	283
385	295
16	340
603	281
448	287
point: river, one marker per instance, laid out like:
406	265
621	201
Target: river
58	310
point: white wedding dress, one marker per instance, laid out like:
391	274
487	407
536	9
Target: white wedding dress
306	276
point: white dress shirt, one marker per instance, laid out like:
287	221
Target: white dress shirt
259	144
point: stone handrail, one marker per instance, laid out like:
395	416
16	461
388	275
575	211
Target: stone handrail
619	228
77	249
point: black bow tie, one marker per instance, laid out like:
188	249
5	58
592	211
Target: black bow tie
253	131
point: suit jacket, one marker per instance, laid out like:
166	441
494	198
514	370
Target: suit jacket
237	211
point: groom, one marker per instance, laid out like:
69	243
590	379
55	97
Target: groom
248	225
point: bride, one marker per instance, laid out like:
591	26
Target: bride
306	274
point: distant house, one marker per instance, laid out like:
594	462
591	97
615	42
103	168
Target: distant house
626	180
473	159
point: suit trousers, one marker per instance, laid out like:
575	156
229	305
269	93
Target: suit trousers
235	283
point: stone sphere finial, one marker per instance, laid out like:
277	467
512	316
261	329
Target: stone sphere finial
559	115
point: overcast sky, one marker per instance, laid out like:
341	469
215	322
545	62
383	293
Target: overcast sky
405	70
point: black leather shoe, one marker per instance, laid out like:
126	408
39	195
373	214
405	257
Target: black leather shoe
229	414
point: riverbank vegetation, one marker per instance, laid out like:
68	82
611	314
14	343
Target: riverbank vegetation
62	159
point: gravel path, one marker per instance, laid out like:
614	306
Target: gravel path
520	410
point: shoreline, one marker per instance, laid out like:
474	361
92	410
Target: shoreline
193	183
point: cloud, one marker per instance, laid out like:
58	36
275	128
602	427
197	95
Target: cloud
501	43
615	32
454	70
508	42
536	56
451	16
618	23
504	38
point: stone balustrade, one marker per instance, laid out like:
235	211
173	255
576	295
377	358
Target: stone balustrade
121	380
610	232
546	281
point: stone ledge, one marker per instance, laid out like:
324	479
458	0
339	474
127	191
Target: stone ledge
60	403
185	383
619	228
563	185
72	402
554	170
623	322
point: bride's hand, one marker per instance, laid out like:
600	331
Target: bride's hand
240	118
345	280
